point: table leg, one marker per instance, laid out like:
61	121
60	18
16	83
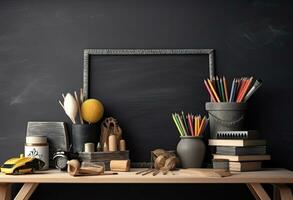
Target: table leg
258	191
282	192
5	191
26	191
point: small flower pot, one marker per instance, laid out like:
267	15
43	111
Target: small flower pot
84	133
191	151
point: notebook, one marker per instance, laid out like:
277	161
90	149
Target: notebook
243	157
251	134
244	166
249	150
235	142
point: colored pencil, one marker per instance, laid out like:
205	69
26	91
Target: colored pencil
190	124
241	89
218	90
213	90
180	123
209	91
195	130
222	90
177	125
232	90
185	124
255	86
245	88
225	89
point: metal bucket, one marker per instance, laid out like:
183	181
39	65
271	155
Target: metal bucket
226	117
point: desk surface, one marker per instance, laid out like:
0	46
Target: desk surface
54	176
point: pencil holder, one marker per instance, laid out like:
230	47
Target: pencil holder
226	116
84	133
191	151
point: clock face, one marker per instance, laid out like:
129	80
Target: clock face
61	162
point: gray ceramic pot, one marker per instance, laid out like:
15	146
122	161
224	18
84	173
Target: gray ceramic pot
191	151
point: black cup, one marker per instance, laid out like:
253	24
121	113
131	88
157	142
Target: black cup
84	133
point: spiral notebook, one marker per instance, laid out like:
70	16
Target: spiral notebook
251	134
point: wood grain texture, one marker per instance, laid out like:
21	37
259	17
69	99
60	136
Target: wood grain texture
282	192
258	191
5	191
26	191
54	176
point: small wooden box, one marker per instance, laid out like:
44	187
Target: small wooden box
104	157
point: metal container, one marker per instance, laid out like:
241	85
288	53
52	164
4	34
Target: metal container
84	133
229	116
37	147
191	151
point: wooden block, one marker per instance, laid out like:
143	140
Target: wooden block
104	157
56	133
112	143
120	165
122	145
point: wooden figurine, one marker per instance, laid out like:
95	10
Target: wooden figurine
109	127
112	143
122	145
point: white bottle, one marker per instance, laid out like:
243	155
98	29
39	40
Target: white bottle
37	147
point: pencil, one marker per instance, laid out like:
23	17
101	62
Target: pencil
222	89
219	92
177	125
209	90
225	88
182	125
213	90
237	82
190	123
255	86
178	122
185	124
244	90
195	125
198	124
232	90
242	85
201	124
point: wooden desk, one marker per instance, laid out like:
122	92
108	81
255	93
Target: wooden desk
278	177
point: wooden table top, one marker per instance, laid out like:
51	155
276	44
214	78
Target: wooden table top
54	176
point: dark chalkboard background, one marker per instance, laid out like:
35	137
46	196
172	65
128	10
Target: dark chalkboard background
41	52
143	91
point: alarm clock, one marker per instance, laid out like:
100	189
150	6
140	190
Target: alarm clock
60	159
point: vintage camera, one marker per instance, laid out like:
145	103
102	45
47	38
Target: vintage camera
60	159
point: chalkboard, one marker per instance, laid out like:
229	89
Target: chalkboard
141	88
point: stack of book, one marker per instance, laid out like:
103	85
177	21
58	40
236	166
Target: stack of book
243	149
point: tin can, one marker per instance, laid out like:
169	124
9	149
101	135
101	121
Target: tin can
37	147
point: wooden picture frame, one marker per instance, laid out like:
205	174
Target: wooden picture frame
131	52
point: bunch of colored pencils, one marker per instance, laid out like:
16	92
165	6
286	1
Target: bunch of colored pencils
190	125
241	89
